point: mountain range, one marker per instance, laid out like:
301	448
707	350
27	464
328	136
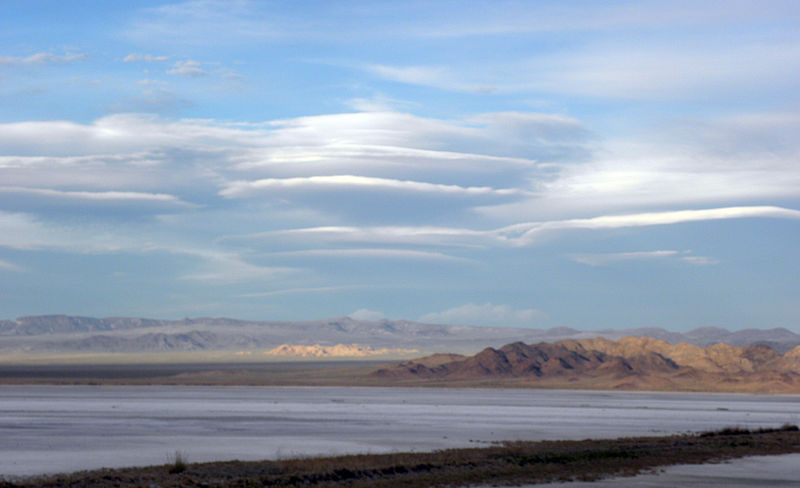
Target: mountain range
628	363
70	334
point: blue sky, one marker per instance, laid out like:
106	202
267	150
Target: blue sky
535	164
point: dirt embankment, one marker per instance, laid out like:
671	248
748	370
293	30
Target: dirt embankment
510	463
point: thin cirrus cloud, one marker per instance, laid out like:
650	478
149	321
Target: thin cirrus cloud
373	253
747	157
349	182
642	70
143	58
304	290
527	233
521	234
188	68
238	21
484	314
221	268
58	197
367	314
6	266
210	265
44	58
355	155
190	22
514	18
605	259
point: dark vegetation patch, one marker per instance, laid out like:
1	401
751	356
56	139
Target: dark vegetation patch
503	464
736	430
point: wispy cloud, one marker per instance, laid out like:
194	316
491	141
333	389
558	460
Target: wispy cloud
6	266
527	233
373	253
232	22
366	314
485	314
101	198
221	268
504	18
522	234
605	259
244	188
420	235
303	291
44	58
436	76
646	70
144	58
188	68
212	266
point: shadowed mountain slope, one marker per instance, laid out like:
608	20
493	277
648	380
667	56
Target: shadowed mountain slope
628	363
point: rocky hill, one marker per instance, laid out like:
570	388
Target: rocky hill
627	363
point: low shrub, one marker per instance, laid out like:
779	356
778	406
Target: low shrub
177	463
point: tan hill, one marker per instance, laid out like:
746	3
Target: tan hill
339	350
627	363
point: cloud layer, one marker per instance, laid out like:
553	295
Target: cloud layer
250	158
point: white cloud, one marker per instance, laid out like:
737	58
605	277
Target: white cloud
24	232
605	259
485	314
543	127
750	160
742	159
223	268
700	260
349	182
189	68
367	315
655	70
346	152
246	21
503	18
303	291
190	22
100	198
147	159
420	235
648	69
6	266
144	58
527	233
148	81
417	75
44	58
373	253
145	154
518	235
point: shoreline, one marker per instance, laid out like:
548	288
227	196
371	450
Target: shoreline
316	373
507	463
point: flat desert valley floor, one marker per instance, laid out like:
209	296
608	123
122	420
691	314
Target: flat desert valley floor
47	429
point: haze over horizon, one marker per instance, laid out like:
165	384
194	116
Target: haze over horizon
582	164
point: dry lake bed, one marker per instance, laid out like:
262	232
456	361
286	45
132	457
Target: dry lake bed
48	429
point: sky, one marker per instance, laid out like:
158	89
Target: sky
532	164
